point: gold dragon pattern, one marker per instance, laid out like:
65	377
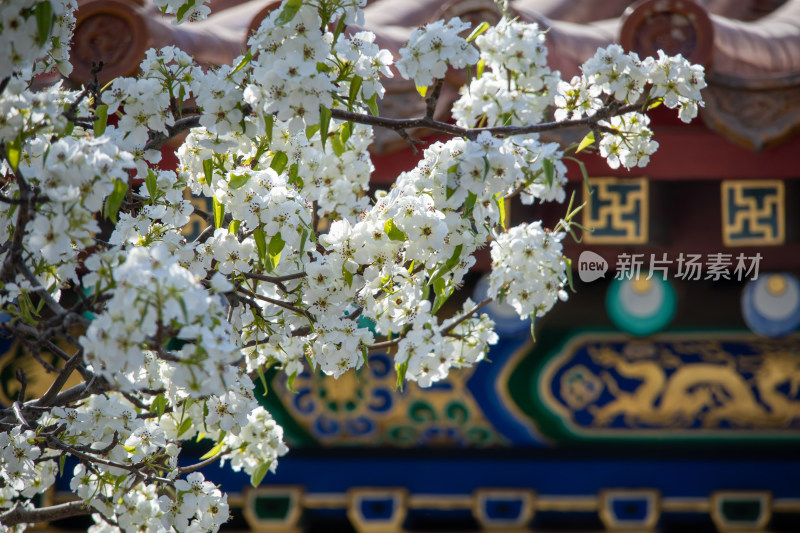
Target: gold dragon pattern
718	390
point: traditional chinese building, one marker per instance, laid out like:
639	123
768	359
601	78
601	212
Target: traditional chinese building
664	395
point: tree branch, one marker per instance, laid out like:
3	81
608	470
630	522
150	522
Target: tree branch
19	514
398	124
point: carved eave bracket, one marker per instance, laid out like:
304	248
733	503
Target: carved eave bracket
756	114
753	70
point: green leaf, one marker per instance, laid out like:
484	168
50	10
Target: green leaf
14	152
549	170
337	145
469	203
276	244
213	451
185	310
219	213
181	98
289	11
152	184
233	227
290	380
449	265
129	449
303	239
245	60
655	104
422	91
339	28
261	244
208	172
114	200
159	404
347	131
44	21
585	175
348	276
355	86
270	123
102	120
279	162
443	288
324	124
238	180
61	461
402	368
482	27
311	130
184	9
481	66
294	176
259	473
586	142
372	104
393	232
569	274
501	205
263	379
186	425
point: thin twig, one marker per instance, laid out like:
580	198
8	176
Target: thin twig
201	464
433	98
17	407
273	301
22	377
136	469
274	279
477	308
62	377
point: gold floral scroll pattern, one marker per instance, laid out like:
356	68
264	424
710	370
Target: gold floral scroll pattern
367	409
711	384
617	211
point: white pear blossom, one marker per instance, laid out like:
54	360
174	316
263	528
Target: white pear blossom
301	268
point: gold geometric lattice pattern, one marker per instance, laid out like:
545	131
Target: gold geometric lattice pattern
753	212
617	211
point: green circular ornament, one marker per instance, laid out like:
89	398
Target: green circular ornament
639	306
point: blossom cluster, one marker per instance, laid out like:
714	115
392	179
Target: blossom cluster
35	36
301	267
516	86
624	78
431	49
528	269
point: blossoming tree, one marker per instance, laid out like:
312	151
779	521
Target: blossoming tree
167	334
